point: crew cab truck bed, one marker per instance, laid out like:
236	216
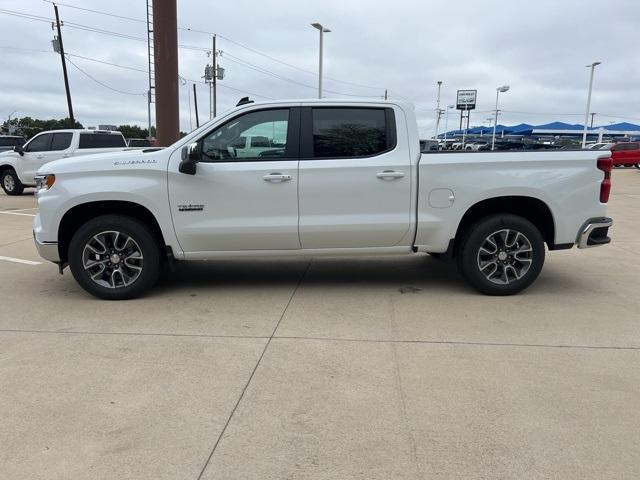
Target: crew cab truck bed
329	178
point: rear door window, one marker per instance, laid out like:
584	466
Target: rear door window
61	141
101	140
351	132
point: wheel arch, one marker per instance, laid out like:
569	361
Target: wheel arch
76	216
530	208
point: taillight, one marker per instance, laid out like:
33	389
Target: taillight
605	164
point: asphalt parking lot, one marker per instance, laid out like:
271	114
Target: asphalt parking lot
370	368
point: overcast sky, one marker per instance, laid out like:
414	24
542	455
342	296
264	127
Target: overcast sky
539	48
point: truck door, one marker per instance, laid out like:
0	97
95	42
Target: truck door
355	178
43	148
240	198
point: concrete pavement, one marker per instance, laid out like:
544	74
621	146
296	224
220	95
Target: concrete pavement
324	369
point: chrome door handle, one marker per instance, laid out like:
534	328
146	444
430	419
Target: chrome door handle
389	175
276	177
40	156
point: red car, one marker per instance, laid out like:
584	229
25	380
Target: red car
626	154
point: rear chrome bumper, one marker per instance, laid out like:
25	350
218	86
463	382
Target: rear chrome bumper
47	250
594	232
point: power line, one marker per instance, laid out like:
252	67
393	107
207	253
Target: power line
144	71
19	49
104	84
230	40
264	71
107	63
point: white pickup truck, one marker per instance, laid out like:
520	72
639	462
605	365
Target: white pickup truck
340	178
18	167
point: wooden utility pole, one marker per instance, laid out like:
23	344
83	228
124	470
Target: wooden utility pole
215	79
165	46
64	68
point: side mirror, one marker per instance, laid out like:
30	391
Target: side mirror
19	149
190	157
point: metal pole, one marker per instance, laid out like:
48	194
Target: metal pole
195	103
586	114
446	123
64	69
149	113
592	115
215	79
438	108
464	133
165	42
495	122
320	66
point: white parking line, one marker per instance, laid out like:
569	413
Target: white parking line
22	214
21	209
19	260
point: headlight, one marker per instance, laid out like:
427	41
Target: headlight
44	182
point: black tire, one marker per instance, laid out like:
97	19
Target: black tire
147	265
469	255
638	165
10	182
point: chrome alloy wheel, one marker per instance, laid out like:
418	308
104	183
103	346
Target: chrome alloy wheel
9	183
112	259
505	256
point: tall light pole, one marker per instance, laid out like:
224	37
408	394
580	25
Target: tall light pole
499	90
322	30
586	115
446	120
438	111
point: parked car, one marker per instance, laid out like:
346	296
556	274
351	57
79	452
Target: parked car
349	179
596	145
7	142
477	145
18	167
626	154
427	146
138	142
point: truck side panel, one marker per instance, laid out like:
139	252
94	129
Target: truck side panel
449	184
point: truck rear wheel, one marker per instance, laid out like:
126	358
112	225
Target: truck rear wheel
11	184
501	254
114	257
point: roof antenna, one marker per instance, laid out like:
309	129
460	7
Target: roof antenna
244	101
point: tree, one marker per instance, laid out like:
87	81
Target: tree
28	127
133	131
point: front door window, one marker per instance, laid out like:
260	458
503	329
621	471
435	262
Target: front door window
254	136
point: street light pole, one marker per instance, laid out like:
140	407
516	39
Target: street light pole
322	31
438	112
586	115
504	88
446	120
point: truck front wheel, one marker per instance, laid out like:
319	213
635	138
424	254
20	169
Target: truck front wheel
11	184
501	254
114	257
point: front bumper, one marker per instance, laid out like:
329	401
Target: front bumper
47	250
594	232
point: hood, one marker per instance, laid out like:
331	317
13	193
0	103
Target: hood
147	157
8	154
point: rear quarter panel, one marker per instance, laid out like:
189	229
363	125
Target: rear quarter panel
567	182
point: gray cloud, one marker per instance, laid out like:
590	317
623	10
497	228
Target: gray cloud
539	48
